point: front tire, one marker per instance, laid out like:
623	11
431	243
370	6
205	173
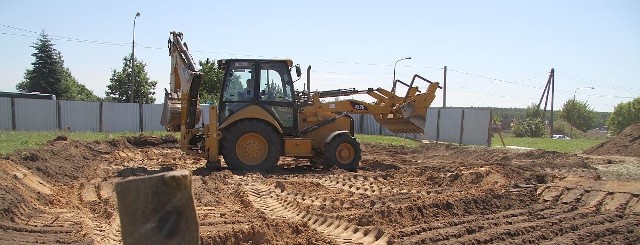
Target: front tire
251	145
343	151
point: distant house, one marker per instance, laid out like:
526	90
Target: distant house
33	95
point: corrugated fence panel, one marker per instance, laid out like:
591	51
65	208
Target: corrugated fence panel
370	125
357	122
119	117
450	120
431	129
5	114
151	114
204	118
36	115
476	127
80	115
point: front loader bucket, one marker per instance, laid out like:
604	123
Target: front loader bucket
399	124
411	115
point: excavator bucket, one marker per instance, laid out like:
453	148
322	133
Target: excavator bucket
171	112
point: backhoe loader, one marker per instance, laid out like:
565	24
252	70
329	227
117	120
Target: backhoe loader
260	117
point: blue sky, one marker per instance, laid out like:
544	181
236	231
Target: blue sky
498	53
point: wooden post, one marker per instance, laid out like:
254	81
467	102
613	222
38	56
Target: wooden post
499	133
158	209
553	92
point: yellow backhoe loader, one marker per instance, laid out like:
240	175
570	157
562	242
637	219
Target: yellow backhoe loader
260	117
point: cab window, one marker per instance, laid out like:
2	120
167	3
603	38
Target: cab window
275	82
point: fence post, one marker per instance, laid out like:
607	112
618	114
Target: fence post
438	127
461	128
58	113
100	125
13	114
158	209
141	115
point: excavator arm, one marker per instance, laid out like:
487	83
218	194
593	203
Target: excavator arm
184	86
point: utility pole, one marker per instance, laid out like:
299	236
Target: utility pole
444	89
553	83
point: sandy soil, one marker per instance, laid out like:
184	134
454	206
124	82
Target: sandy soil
627	143
63	193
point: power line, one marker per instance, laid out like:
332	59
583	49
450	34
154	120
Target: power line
455	88
596	83
494	79
71	39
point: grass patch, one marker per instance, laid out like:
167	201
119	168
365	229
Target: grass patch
387	140
14	140
567	146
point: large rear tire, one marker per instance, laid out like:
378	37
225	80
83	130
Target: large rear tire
343	151
251	145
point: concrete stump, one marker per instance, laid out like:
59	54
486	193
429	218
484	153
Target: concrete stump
158	209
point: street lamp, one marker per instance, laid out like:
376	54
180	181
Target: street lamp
133	65
574	108
393	89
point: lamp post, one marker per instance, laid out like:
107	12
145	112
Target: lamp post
574	108
393	89
133	65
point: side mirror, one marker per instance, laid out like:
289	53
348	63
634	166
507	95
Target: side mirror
298	71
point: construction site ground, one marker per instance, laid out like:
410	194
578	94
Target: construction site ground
63	193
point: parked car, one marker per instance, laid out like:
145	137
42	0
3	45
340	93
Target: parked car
560	137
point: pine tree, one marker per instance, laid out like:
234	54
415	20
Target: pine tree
118	89
49	76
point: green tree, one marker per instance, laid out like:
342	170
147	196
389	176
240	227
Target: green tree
624	114
532	111
578	114
49	76
118	89
211	83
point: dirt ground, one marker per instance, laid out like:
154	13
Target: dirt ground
62	193
627	143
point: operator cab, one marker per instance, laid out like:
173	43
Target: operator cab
266	83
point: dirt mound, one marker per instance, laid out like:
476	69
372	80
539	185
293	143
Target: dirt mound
146	140
63	161
626	143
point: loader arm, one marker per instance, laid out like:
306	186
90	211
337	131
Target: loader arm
397	114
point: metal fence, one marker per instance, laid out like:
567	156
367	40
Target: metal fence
463	126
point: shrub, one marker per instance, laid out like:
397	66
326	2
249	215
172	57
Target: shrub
532	127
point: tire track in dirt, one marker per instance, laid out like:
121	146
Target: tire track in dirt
271	201
604	201
30	218
98	196
370	185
